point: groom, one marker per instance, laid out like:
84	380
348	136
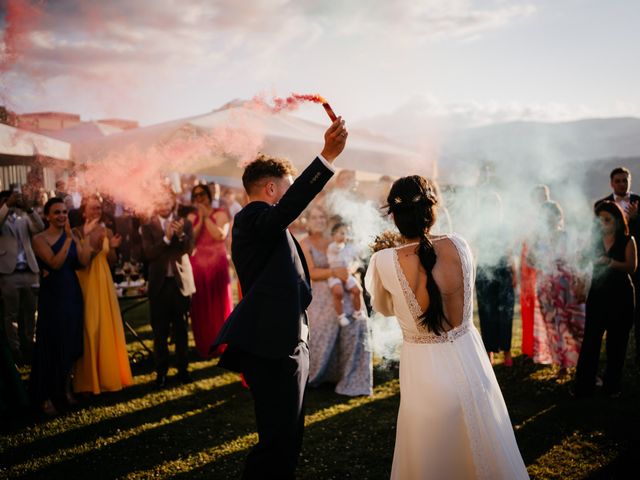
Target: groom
267	333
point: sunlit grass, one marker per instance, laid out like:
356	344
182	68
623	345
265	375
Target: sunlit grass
205	429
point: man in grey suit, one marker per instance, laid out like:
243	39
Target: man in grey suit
18	271
167	242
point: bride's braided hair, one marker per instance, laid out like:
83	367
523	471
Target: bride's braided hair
412	201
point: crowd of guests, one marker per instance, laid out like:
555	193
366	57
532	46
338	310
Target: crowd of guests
573	291
61	310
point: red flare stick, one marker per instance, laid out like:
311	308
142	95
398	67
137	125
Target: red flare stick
330	111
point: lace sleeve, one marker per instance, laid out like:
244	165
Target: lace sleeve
380	298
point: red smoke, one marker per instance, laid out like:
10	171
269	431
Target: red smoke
20	19
292	102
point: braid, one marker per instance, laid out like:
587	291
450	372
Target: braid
434	317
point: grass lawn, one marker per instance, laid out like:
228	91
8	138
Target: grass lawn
205	429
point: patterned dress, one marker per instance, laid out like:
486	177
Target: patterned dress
559	316
341	355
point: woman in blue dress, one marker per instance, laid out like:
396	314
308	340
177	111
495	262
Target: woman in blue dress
59	332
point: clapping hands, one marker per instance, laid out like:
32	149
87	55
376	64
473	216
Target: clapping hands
115	241
632	209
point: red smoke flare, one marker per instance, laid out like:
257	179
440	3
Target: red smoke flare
292	102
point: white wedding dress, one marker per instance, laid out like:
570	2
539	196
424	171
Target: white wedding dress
453	422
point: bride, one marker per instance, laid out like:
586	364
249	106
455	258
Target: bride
452	422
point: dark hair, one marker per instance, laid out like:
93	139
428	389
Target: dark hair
622	227
204	187
265	167
412	201
336	226
51	202
5	194
619	170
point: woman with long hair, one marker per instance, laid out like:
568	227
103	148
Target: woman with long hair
610	302
452	422
212	303
337	354
60	309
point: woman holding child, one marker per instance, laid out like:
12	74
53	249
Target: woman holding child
337	353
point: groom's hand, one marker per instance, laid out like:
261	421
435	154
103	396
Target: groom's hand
335	139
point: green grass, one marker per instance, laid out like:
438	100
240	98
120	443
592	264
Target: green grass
205	429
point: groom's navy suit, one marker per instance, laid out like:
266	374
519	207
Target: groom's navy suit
267	332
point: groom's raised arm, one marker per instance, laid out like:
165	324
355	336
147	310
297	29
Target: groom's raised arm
308	184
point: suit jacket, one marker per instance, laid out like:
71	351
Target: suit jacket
273	273
161	257
22	229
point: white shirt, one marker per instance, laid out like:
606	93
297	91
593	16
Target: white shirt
623	203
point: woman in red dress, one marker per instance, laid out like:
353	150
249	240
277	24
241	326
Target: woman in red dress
212	303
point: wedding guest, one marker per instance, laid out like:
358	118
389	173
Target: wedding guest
559	320
104	365
628	201
212	302
167	242
610	303
18	272
539	195
229	197
495	279
60	309
336	355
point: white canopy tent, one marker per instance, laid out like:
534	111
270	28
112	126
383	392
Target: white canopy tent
22	151
281	134
22	143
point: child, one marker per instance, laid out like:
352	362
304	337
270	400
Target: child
340	255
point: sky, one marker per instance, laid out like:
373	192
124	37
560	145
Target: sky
380	63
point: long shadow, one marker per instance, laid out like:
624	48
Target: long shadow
111	426
151	447
357	443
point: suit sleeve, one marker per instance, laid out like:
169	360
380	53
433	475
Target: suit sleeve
188	242
295	200
152	250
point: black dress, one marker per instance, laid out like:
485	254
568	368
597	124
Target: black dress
610	308
59	330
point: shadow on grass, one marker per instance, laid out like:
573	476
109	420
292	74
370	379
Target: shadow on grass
338	447
130	420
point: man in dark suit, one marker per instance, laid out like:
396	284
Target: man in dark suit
267	333
628	202
167	242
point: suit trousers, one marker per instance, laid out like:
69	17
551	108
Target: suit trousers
610	311
169	317
19	309
277	386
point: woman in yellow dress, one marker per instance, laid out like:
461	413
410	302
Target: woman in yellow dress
104	365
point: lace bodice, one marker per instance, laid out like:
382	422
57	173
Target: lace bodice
392	295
